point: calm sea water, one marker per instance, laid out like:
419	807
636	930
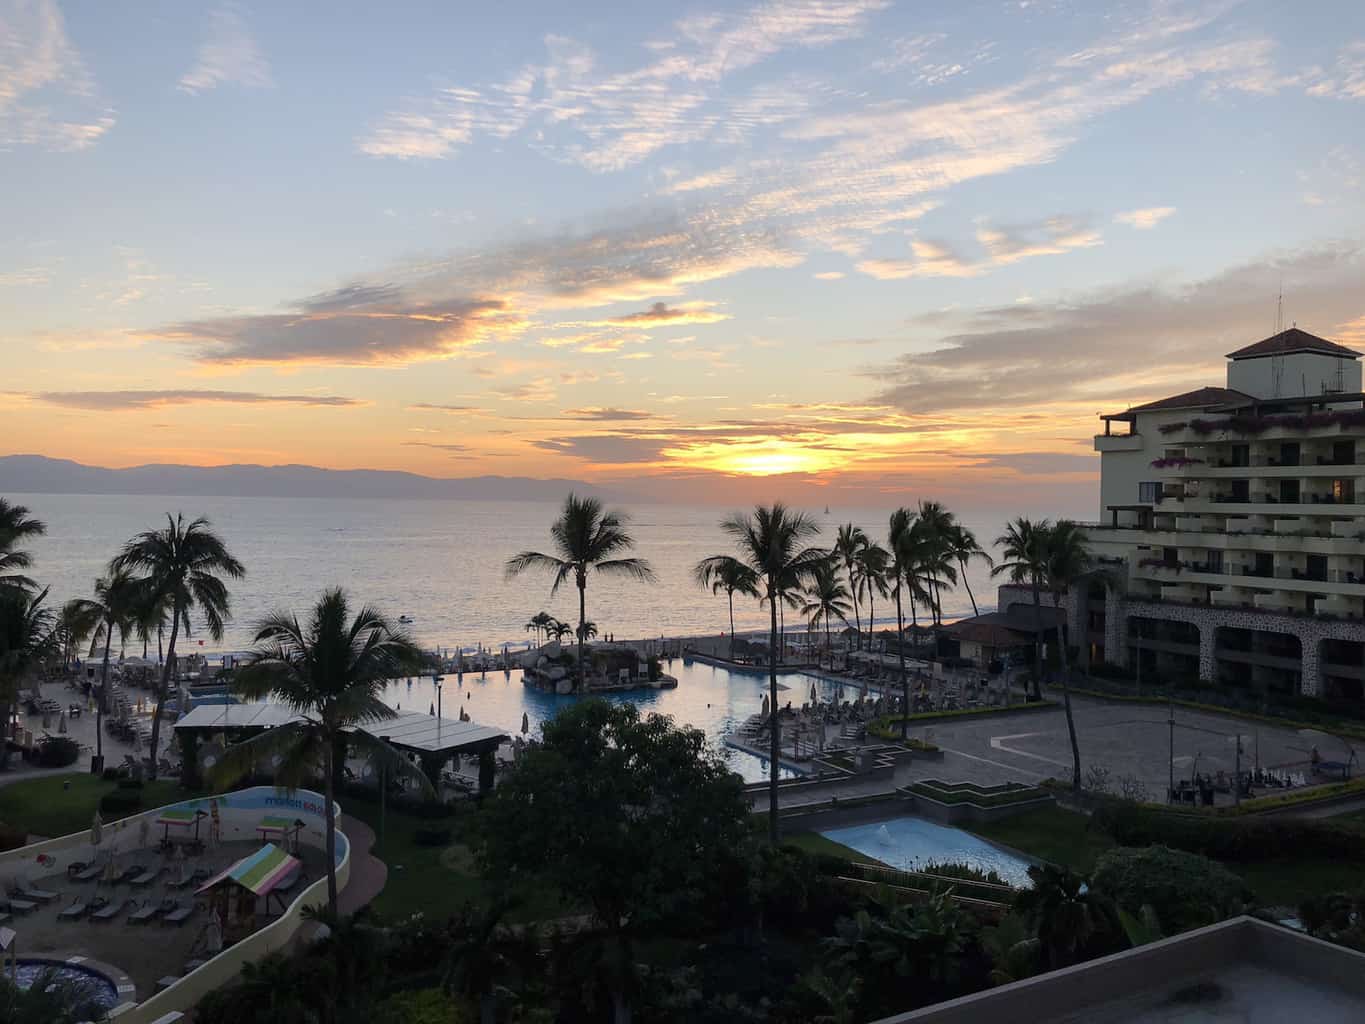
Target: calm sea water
440	562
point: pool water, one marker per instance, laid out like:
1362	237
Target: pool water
92	985
910	843
707	697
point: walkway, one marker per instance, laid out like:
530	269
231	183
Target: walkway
368	872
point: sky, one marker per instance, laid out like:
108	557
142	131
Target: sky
823	250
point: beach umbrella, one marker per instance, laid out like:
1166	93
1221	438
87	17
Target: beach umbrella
432	712
525	723
814	697
96	829
765	706
61	724
213	934
144	833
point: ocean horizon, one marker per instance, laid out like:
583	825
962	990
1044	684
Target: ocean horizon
437	561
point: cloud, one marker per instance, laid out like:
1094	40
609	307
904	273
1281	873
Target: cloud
932	259
451	447
829	275
539	390
47	96
661	314
390	333
610	449
1121	345
229	54
606	121
606	414
1050	237
1035	463
27	276
1144	219
438	407
119	401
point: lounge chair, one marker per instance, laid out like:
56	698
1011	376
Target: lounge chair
129	873
29	892
110	910
148	911
290	883
15	906
145	879
89	873
179	915
179	883
74	912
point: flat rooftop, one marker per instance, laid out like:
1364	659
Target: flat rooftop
1242	971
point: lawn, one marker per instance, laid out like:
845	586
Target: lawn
1052	834
436	881
58	805
817	845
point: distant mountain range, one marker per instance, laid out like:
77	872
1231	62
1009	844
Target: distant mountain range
37	474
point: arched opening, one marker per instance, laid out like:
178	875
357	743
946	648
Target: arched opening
1258	661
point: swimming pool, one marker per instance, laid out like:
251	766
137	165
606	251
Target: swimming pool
909	843
92	985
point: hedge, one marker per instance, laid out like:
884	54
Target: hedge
120	803
1244	840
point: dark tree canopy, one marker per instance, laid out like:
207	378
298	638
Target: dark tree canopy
630	815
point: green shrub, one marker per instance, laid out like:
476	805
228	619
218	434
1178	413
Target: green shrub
129	783
1239	840
433	835
1184	889
423	1006
114	774
58	752
120	803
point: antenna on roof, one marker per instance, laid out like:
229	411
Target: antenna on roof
1279	308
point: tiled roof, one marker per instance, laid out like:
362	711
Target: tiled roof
1293	340
1198	399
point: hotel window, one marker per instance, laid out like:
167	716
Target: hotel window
1149	492
1344	492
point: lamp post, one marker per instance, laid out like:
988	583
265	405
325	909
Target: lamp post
1170	710
438	680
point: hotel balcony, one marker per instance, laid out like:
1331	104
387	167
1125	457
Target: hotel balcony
1118	442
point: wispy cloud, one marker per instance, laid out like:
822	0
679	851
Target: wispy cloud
24	277
438	407
1145	218
606	414
661	314
118	401
540	390
47	96
228	55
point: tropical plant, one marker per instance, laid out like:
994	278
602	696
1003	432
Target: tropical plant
558	630
1013	949
826	598
871	566
114	607
16	526
586	537
629	815
586	630
773	541
936	563
963	546
184	566
485	959
1069	919
48	999
1067	562
540	625
1023	549
1174	889
727	574
847	546
331	674
26	640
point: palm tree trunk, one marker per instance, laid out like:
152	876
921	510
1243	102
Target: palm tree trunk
1066	703
329	791
905	680
582	632
774	723
871	620
104	696
731	595
967	583
1038	641
162	689
857	620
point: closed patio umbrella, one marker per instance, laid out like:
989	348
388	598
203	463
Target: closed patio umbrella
96	830
61	724
765	706
814	697
525	723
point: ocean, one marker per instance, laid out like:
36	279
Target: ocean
440	562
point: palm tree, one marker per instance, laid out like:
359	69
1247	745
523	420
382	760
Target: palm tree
331	674
938	525
963	546
184	565
727	573
873	560
26	639
540	624
1068	561
585	537
826	598
850	541
900	542
586	630
558	630
115	606
772	540
1023	548
16	525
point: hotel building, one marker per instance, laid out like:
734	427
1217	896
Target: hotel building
1234	518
